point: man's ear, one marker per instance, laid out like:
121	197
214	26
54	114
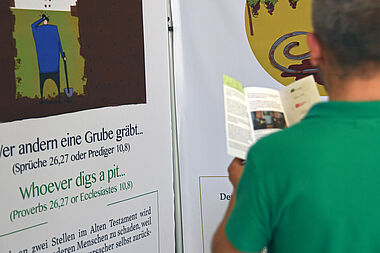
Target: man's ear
316	49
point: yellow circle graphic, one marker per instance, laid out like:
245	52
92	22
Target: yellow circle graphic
276	31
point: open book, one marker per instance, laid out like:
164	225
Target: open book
253	112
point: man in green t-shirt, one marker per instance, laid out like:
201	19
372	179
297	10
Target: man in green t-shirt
315	187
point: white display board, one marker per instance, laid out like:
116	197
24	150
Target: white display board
56	5
97	180
210	40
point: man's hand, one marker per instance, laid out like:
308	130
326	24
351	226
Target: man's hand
235	170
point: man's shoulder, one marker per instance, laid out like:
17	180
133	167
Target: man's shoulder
304	139
47	27
303	132
283	155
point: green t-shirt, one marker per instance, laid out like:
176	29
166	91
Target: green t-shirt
314	187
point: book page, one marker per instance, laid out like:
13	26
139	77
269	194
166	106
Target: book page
238	123
266	111
298	98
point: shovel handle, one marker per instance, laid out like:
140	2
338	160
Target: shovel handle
67	79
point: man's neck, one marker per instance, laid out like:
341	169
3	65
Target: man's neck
355	89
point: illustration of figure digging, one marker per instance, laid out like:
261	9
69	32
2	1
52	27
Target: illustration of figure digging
49	49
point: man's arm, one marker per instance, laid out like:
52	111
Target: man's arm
60	47
220	243
37	23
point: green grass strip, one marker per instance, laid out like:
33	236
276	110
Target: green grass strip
120	201
20	230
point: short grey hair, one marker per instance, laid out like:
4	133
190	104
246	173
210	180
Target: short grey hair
350	30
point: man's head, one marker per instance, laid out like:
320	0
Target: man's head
348	33
46	19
